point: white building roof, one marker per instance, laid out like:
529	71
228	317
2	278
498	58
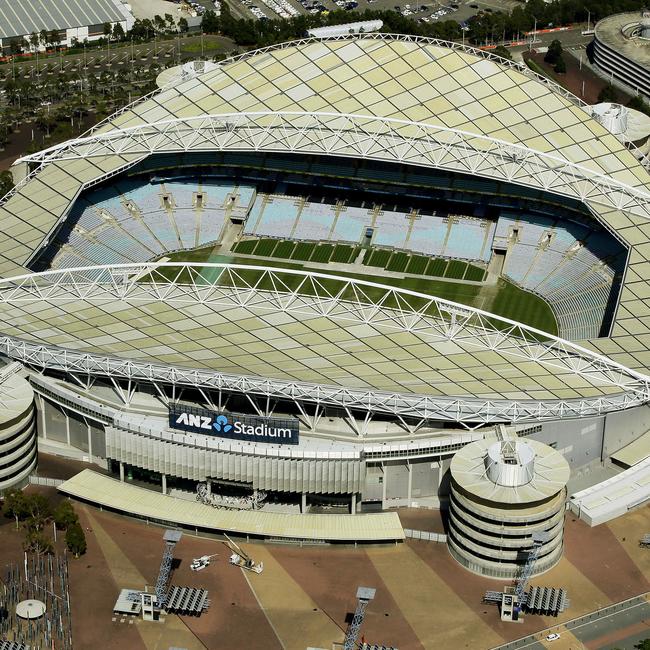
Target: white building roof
615	496
346	28
24	17
140	502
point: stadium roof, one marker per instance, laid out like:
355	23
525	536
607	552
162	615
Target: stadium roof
403	99
289	333
24	17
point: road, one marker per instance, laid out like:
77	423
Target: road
618	626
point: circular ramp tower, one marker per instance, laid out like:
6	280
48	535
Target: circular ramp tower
17	429
503	494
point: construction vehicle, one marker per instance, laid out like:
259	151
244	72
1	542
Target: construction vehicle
241	559
199	563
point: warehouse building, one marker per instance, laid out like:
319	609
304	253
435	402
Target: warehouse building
72	19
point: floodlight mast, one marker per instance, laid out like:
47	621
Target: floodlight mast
364	596
171	538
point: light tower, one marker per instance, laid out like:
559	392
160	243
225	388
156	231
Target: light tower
364	596
171	538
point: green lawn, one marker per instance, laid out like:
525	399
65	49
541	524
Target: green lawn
211	45
322	253
510	301
456	270
474	273
417	264
344	254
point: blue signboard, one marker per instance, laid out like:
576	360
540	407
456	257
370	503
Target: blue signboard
191	419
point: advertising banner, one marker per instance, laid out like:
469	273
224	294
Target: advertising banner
251	428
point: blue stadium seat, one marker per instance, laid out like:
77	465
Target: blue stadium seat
351	224
315	221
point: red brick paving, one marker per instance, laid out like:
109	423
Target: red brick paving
421	519
601	558
470	588
330	577
574	78
92	594
53	466
234	619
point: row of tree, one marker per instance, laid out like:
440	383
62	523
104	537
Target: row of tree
484	28
34	512
260	33
142	30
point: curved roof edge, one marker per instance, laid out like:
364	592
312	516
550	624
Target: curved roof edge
358	135
378	36
457	321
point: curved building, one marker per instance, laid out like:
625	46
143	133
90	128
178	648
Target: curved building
17	429
505	493
322	268
622	49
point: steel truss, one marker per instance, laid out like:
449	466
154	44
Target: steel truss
358	136
223	286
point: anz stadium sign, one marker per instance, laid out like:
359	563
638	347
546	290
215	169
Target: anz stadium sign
190	419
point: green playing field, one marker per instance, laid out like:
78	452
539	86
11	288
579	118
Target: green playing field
505	299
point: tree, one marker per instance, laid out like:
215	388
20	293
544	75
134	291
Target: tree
55	38
44	38
15	502
643	645
608	94
638	104
118	32
39	510
183	25
108	30
560	65
15	46
34	41
38	542
554	52
210	22
503	52
75	539
159	22
5	130
64	515
6	185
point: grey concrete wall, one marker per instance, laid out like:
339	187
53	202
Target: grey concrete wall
78	431
98	440
373	488
55	423
397	479
424	479
579	441
624	427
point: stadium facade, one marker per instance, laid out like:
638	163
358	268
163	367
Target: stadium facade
299	168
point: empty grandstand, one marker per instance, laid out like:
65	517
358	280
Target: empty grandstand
572	266
133	221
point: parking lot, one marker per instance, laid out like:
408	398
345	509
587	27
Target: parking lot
427	11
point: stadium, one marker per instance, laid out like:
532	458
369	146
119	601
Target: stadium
321	269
